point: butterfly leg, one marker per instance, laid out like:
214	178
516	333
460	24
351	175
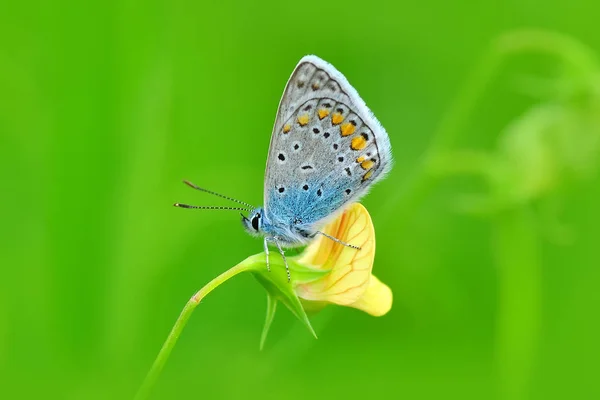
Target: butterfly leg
338	240
267	253
287	268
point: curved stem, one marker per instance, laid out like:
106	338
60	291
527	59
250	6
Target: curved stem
165	351
509	44
573	53
421	182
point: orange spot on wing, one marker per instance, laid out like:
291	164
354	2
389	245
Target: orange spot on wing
303	119
347	129
323	113
360	159
367	164
337	118
287	128
358	143
367	175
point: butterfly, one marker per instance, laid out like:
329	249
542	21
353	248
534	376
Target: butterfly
327	150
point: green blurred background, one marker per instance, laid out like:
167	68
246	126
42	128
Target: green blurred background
106	106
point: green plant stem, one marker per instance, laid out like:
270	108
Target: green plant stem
516	252
165	351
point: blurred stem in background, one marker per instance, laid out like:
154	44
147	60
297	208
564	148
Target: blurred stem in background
539	151
518	319
420	184
576	57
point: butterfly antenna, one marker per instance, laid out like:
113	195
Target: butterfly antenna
180	205
190	184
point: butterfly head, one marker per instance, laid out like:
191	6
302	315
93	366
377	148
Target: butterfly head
255	221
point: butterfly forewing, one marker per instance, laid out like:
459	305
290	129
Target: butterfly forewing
326	149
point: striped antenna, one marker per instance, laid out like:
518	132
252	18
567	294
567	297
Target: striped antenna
190	184
210	207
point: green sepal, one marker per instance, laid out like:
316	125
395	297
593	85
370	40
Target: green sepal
271	308
287	297
280	290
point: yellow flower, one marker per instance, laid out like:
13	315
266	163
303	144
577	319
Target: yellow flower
349	281
326	272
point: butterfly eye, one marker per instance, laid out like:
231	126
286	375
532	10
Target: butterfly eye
255	222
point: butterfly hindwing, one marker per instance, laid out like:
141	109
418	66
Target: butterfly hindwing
326	149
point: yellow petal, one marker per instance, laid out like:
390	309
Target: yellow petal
377	300
350	268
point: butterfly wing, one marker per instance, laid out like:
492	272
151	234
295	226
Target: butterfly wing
327	148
